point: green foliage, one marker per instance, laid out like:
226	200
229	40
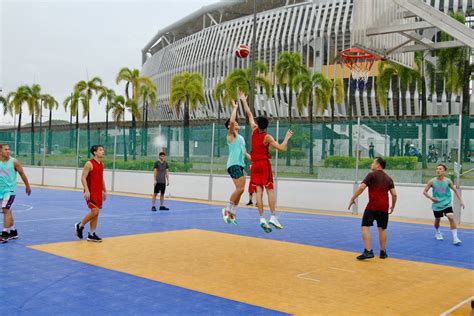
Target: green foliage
142	165
393	163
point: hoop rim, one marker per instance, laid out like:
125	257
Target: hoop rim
352	51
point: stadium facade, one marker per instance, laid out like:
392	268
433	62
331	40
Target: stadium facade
205	42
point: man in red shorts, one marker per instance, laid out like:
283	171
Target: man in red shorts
94	192
261	174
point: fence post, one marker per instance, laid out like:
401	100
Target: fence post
212	162
113	164
276	162
355	208
77	156
15	150
44	157
457	206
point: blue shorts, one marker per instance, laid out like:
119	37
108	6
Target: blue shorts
236	171
7	199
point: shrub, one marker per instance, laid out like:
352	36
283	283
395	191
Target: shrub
142	165
393	163
339	162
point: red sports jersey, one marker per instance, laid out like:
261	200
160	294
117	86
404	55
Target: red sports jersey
95	180
261	173
259	149
379	184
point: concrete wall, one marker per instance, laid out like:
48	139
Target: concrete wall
322	195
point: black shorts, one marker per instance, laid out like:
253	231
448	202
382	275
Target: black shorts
371	216
160	187
236	171
440	214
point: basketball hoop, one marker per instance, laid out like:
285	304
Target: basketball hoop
359	63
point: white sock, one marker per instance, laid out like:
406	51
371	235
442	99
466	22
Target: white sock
455	233
12	228
438	231
229	205
232	208
5	229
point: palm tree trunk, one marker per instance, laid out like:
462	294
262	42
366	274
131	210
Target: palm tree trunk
107	127
331	139
32	138
311	136
423	121
466	131
50	132
218	151
168	140
88	130
18	136
77	126
145	132
134	138
70	131
124	145
290	106
186	131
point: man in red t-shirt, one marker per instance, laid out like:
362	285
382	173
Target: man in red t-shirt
94	192
261	176
379	184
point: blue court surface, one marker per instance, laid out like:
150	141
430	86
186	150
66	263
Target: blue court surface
37	283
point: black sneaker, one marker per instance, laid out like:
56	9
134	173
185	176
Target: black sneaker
366	255
93	237
13	234
153	209
164	208
383	254
79	230
250	203
4	237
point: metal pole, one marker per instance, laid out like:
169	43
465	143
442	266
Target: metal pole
44	158
77	157
14	150
458	184
212	162
113	164
355	208
276	162
253	53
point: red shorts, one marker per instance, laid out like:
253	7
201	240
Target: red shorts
95	201
261	175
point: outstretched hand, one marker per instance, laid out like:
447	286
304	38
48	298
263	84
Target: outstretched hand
289	134
235	105
242	96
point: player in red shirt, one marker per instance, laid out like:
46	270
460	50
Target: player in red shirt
379	184
261	175
94	192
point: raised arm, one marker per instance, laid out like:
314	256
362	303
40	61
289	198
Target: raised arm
273	143
243	98
233	117
21	172
427	188
458	195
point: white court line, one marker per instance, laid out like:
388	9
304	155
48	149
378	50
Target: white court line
28	208
342	269
302	276
446	313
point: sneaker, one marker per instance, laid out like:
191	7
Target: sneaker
13	234
383	254
250	203
225	215
233	218
439	236
274	222
79	231
366	255
457	241
264	225
164	208
93	237
153	209
4	237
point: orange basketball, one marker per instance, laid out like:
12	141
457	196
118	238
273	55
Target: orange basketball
242	51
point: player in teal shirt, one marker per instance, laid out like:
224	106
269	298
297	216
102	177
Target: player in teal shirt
442	201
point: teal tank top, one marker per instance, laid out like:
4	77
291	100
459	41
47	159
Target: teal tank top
441	192
236	152
7	176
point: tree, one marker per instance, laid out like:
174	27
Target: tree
86	89
50	103
133	79
4	103
148	97
15	100
187	88
119	108
288	66
312	87
33	97
72	103
109	96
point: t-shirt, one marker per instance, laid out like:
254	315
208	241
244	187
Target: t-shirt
161	168
379	184
8	176
441	192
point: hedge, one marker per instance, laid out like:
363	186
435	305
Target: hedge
394	163
143	165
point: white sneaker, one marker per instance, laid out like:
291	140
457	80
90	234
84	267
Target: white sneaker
225	215
439	236
264	225
457	241
274	222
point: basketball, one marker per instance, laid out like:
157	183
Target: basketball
242	51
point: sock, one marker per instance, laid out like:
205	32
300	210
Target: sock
438	231
232	209
229	206
12	228
455	233
5	229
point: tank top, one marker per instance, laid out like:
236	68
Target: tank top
8	176
259	149
441	192
95	177
236	152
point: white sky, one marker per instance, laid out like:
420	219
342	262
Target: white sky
56	43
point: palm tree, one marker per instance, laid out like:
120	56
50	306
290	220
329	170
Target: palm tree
72	102
148	97
15	100
4	103
33	97
288	66
310	87
50	103
187	88
133	79
109	96
119	108
86	89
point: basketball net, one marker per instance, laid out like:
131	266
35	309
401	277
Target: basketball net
359	63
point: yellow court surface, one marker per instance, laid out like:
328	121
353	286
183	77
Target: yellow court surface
288	277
